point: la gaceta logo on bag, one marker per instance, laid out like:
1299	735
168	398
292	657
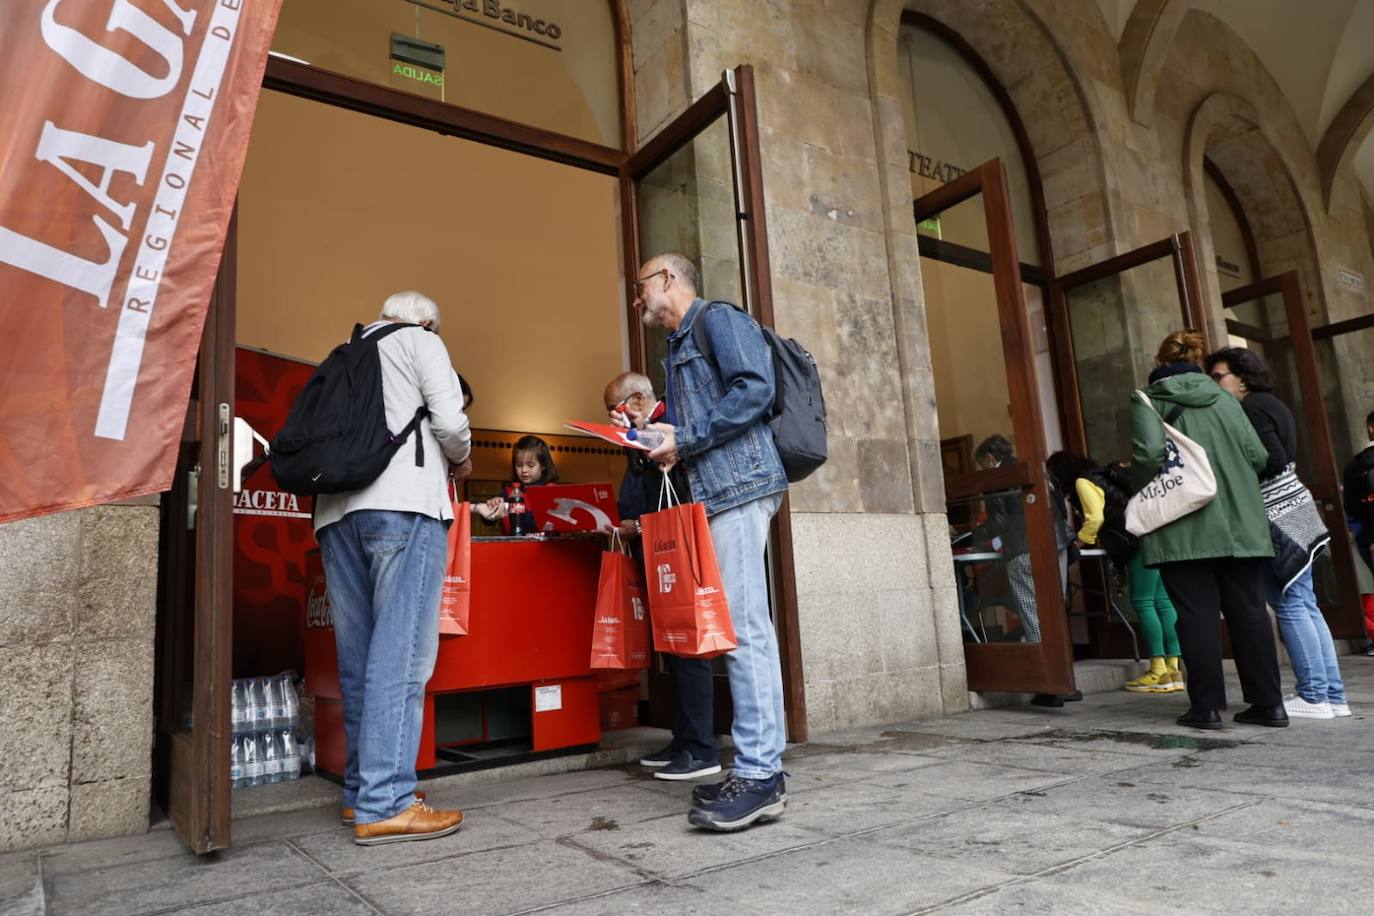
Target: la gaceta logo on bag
666	578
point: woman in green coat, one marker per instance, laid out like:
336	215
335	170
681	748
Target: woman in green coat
1212	560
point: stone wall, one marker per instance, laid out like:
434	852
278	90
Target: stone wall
78	594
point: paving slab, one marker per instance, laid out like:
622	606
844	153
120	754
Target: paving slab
336	853
968	780
496	881
166	883
323	897
849	876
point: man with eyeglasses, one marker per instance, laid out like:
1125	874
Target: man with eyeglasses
692	753
715	428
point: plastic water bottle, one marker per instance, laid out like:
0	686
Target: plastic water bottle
252	760
649	438
291	759
238	775
272	757
257	690
240	713
276	704
290	701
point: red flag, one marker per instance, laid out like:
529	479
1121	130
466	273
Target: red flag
122	139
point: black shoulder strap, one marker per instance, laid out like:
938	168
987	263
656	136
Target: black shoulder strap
421	412
1173	415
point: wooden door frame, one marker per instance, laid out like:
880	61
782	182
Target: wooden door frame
1346	618
733	98
1178	248
1046	666
198	790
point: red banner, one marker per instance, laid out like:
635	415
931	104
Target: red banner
122	138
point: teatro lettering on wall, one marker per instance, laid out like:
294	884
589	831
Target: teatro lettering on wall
112	219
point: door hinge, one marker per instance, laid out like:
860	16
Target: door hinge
224	426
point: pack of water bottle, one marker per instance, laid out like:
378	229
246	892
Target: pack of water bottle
264	712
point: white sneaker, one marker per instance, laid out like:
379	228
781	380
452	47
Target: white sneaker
1341	710
1299	708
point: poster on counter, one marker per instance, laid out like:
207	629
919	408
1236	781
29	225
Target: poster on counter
122	140
272	530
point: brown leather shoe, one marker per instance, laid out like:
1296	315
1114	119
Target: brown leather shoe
348	817
418	822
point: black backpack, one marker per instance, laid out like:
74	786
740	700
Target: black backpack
335	438
797	417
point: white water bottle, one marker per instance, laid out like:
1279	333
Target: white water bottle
271	757
291	703
257	690
276	703
252	760
291	759
238	707
238	777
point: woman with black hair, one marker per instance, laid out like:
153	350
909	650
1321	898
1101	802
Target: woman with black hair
1298	533
1100	494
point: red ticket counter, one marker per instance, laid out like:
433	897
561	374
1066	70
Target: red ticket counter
519	680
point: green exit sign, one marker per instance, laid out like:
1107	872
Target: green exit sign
929	225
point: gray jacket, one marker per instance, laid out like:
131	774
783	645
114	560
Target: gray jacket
415	370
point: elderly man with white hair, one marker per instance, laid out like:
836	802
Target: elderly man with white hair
385	549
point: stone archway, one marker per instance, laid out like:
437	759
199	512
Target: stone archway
1230	132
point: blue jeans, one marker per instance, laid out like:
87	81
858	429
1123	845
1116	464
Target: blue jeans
384	572
740	536
1307	638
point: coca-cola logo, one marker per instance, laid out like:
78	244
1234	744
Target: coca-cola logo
318	615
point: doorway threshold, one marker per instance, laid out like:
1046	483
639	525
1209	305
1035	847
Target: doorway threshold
618	748
1101	675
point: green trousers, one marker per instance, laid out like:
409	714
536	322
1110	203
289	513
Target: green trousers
1153	608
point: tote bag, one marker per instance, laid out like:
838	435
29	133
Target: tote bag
620	625
686	596
455	601
1185	482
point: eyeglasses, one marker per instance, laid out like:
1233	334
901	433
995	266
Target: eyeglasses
1218	376
663	272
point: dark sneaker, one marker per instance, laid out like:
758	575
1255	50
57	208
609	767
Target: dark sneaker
741	802
704	795
685	766
659	758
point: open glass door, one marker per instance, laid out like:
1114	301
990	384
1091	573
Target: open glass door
1270	317
195	594
1109	318
696	188
1007	560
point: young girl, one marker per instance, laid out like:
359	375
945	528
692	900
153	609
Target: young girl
531	465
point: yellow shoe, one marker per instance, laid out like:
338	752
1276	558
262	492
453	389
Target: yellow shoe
1176	684
1151	682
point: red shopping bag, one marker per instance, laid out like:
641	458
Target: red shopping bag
456	600
686	597
620	633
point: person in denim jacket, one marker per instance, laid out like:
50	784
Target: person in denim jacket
715	429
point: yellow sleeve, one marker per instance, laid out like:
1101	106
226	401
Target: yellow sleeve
1093	501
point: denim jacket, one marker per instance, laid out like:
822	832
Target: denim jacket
721	435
